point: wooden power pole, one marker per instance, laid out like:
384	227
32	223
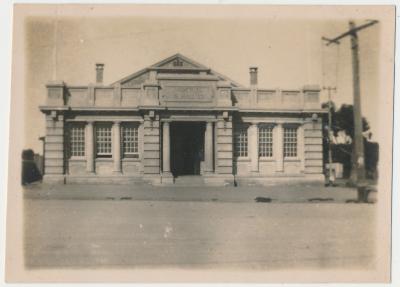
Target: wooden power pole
358	162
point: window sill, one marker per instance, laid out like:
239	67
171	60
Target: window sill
131	159
105	159
287	159
267	159
77	159
243	159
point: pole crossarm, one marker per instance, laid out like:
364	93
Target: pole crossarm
348	33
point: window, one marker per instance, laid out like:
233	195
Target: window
265	141
240	141
290	142
77	140
130	143
103	140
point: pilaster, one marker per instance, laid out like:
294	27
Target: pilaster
166	147
54	154
224	94
55	93
253	145
91	94
151	145
166	156
224	148
150	90
313	147
117	95
278	146
116	145
89	144
208	147
300	146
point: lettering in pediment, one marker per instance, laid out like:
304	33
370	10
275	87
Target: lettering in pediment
178	63
178	93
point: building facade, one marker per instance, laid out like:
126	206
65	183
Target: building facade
178	117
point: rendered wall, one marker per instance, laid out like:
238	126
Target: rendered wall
54	148
313	147
309	159
151	146
224	149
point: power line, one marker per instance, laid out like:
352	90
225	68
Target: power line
329	81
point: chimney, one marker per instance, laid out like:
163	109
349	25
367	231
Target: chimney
99	73
253	77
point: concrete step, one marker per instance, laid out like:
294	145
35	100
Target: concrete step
189	180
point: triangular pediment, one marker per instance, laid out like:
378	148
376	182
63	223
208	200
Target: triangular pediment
178	61
175	63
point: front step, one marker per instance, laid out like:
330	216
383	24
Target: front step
203	180
189	180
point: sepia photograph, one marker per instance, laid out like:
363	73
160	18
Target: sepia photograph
200	143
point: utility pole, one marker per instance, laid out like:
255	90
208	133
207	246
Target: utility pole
358	163
331	179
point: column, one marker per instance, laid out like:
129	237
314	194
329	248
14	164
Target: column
215	147
208	148
166	148
89	147
278	147
253	146
116	145
300	147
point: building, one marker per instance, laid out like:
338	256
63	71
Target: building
178	117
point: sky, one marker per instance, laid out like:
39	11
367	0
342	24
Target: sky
287	52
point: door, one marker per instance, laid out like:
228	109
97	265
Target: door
187	147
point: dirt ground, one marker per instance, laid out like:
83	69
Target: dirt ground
282	193
127	233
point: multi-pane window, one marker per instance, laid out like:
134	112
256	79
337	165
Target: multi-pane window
290	142
130	143
240	141
103	140
265	141
77	140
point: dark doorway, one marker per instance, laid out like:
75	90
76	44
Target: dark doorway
187	147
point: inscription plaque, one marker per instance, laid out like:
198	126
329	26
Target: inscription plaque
188	93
